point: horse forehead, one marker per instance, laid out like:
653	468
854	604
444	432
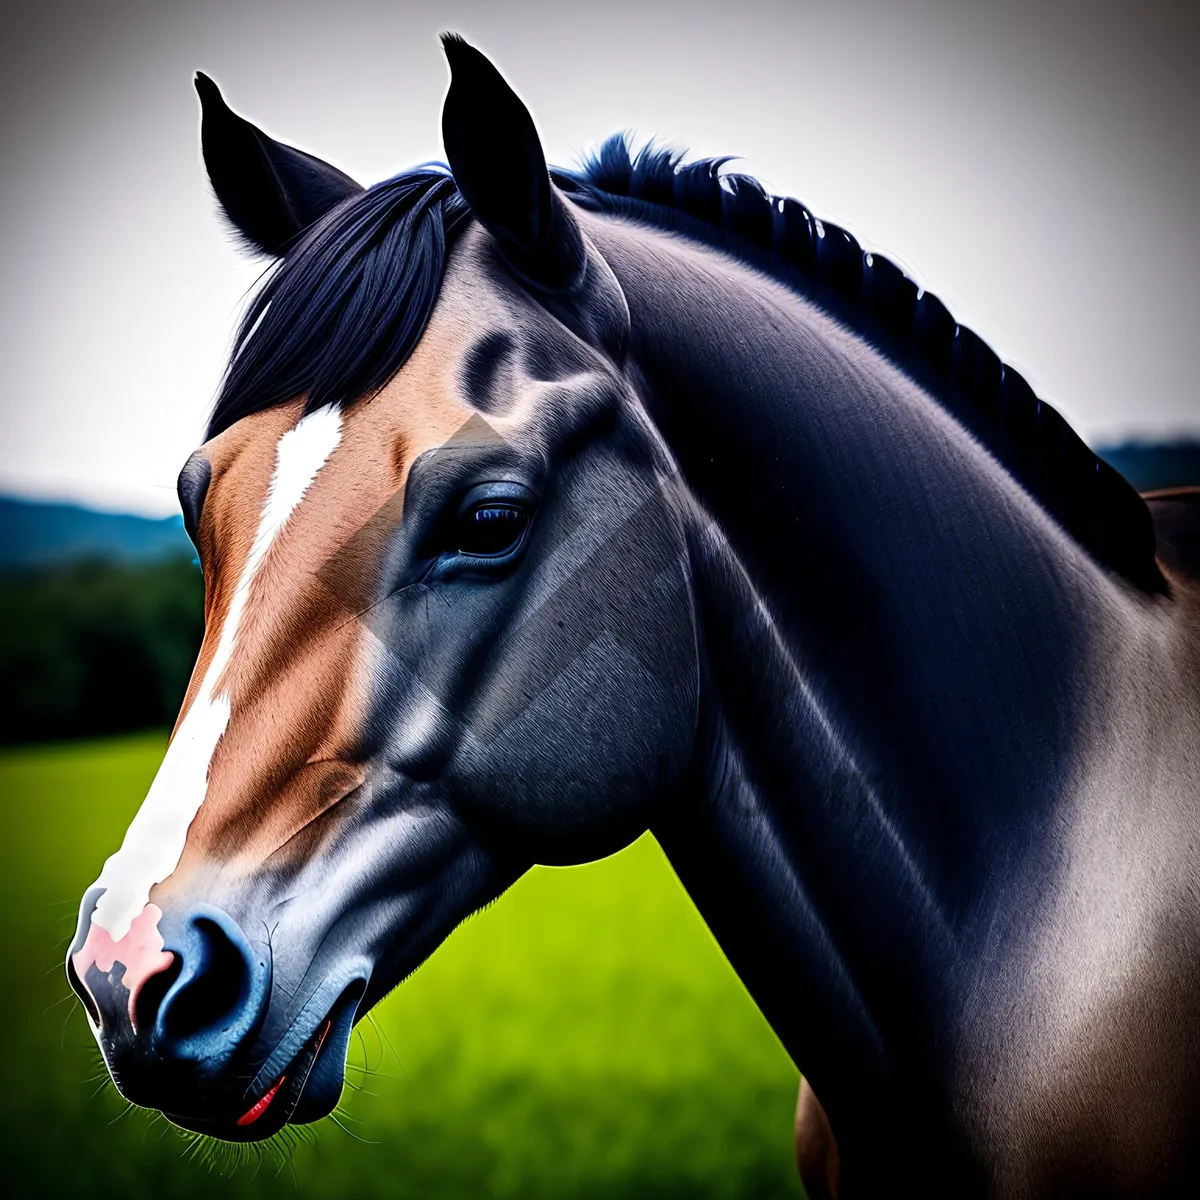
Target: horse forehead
364	472
381	436
418	410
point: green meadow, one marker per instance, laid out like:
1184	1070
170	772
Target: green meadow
582	1037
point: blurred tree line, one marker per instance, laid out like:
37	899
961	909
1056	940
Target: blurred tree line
97	647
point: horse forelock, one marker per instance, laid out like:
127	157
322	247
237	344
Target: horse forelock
344	309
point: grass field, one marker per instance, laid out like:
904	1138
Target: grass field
584	1037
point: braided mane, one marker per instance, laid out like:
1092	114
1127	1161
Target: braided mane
914	329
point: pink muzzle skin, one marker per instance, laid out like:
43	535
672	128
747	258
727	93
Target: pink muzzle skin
140	951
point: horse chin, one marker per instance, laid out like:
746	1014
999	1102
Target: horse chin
299	1100
307	1090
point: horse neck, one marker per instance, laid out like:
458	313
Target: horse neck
897	647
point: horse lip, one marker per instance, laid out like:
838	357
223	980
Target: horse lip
287	1090
260	1106
311	1052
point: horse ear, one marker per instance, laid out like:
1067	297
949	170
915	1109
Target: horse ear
500	168
270	192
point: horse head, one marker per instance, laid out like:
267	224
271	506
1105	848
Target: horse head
449	631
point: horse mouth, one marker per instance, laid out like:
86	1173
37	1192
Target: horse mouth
259	1107
268	1114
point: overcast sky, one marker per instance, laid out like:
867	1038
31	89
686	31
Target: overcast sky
1035	164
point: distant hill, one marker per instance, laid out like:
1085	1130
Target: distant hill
34	534
1150	466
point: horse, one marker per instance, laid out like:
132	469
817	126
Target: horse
540	508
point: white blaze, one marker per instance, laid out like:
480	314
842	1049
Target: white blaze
154	842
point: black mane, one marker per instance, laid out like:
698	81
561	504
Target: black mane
344	308
872	296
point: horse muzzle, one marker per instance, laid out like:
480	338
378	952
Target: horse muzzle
179	1006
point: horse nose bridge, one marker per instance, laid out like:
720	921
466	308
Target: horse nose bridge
264	797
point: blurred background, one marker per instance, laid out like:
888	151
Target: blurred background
1034	164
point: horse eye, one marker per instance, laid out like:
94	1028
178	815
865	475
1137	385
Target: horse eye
491	530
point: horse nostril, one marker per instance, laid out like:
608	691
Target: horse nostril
211	990
150	997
